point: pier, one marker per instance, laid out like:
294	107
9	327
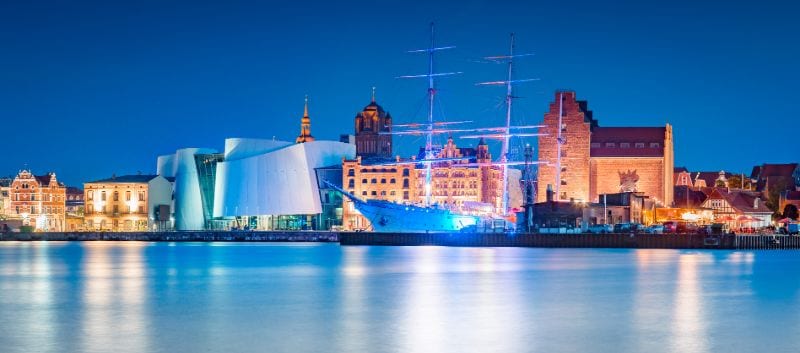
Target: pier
206	236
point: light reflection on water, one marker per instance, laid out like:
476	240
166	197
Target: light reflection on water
168	297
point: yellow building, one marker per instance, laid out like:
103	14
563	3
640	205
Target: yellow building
127	203
460	185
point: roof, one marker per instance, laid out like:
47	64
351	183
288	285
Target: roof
709	177
71	190
792	195
768	170
126	179
43	179
630	135
685	197
745	202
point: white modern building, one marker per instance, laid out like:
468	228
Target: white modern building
257	183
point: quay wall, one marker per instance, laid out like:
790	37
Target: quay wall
233	236
637	241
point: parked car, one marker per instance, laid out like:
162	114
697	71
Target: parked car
713	229
655	229
600	229
628	228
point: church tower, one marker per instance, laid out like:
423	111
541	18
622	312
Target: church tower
305	127
372	126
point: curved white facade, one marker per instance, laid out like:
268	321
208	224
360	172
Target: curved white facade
267	177
188	207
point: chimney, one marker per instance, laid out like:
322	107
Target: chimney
549	193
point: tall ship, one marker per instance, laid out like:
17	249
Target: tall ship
429	215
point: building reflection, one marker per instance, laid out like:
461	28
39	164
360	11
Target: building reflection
689	324
115	297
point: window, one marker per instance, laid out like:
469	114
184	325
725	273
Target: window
374	193
405	172
374	180
563	127
116	209
141	209
624	145
405	183
405	195
383	193
655	145
127	195
611	145
563	182
116	196
563	169
564	195
392	193
383	181
141	195
363	181
363	193
351	183
351	172
392	181
563	153
130	209
102	196
595	145
639	145
89	209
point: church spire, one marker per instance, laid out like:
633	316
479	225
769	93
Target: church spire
373	94
305	126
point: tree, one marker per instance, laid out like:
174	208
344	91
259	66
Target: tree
735	182
790	211
773	195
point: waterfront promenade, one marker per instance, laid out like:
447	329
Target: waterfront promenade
636	241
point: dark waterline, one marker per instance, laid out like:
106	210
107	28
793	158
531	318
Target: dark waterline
233	297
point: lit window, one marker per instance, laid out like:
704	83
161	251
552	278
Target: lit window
595	144
624	145
639	145
611	145
655	145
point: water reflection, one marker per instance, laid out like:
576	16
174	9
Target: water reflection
114	297
142	297
689	322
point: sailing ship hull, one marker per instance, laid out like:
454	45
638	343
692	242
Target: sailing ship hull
391	217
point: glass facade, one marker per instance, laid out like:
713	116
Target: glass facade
207	175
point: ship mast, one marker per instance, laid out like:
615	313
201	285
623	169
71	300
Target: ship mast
429	133
506	137
429	127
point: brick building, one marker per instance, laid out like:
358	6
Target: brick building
375	174
38	201
372	126
459	185
590	160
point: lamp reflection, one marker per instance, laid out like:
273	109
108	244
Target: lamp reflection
115	295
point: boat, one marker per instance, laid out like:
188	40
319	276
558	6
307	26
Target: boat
388	216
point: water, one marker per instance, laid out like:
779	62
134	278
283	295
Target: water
228	297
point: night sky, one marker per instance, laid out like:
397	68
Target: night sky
96	88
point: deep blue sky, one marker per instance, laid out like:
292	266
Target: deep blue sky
88	89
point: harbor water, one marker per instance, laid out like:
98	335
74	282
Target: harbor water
318	297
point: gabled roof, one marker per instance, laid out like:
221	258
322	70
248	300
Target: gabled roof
745	202
126	179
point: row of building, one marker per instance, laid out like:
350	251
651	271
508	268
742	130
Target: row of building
589	174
